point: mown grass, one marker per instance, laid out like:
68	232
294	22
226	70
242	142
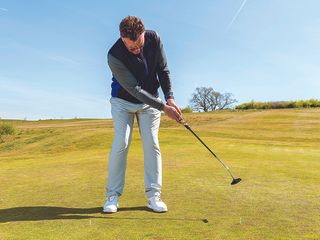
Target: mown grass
53	175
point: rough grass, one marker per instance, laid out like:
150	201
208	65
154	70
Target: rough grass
53	175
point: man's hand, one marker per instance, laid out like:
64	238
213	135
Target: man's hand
171	112
172	103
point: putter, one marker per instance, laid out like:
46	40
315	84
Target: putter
234	180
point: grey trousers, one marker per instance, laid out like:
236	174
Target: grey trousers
123	113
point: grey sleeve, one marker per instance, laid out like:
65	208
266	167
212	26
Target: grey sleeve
164	73
130	83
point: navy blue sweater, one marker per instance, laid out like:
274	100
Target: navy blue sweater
137	78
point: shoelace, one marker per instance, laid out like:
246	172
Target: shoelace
111	198
157	198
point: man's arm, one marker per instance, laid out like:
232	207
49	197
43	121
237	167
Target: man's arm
130	83
164	78
164	73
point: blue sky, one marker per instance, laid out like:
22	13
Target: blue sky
53	52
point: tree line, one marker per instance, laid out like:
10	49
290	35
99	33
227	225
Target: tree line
280	104
205	99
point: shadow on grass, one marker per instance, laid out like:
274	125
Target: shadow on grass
41	213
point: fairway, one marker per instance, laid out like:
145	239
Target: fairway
53	175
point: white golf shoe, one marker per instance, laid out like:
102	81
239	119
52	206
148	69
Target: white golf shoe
156	204
111	205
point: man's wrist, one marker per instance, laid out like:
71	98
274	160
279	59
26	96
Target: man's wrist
169	95
162	107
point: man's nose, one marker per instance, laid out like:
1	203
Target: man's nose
137	51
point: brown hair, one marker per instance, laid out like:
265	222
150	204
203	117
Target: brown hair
131	27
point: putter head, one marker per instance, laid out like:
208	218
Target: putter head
235	181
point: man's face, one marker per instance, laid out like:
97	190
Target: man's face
134	47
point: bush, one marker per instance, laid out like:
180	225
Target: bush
186	110
280	104
6	129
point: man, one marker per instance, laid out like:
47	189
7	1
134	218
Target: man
139	66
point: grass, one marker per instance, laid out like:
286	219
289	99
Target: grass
53	175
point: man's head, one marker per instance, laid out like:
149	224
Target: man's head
132	33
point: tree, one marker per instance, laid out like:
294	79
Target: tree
227	101
206	99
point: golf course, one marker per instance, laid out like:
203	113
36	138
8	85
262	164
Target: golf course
53	175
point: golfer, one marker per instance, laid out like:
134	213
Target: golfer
139	67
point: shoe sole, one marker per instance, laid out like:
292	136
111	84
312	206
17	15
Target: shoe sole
109	211
163	211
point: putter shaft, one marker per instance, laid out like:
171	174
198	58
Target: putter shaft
223	164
